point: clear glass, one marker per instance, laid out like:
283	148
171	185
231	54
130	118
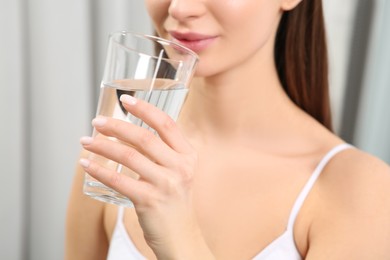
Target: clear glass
146	67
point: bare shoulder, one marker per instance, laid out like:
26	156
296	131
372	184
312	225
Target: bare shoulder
356	175
352	219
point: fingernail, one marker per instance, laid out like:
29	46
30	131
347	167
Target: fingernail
84	162
127	99
99	121
85	140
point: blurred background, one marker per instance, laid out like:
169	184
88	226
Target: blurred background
51	61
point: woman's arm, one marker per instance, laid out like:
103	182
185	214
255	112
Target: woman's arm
353	221
85	234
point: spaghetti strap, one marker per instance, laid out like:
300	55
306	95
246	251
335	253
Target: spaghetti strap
121	212
310	183
121	245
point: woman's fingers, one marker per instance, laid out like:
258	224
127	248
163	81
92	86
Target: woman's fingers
142	139
137	191
158	120
123	154
168	182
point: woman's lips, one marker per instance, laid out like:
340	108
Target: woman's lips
193	41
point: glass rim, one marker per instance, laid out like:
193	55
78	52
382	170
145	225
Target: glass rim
157	39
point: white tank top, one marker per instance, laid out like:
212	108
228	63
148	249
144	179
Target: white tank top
282	248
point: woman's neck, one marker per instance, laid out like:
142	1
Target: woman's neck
240	102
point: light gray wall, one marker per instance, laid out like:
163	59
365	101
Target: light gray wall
339	19
12	131
51	61
373	121
58	86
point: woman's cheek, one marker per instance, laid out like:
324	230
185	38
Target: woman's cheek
157	10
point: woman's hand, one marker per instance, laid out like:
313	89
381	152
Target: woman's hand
166	164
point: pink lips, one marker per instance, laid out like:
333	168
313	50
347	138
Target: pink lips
194	41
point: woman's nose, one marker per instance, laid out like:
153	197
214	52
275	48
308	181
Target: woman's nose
183	10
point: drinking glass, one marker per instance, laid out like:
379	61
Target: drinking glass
149	68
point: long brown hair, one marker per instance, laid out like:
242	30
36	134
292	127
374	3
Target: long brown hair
301	59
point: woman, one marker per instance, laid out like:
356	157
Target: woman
251	170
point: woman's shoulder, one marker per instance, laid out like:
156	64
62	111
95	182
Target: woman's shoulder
355	169
353	206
